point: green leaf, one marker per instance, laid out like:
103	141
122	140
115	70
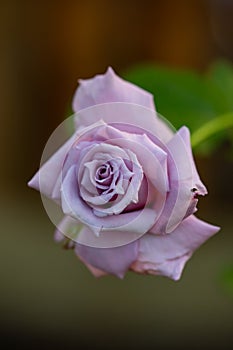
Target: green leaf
222	122
220	75
180	96
187	98
227	279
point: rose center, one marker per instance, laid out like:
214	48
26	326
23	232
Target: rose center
103	172
103	177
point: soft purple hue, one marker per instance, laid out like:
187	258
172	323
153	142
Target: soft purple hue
111	260
167	254
183	179
109	88
132	115
126	183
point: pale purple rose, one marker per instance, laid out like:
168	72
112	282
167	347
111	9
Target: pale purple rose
126	183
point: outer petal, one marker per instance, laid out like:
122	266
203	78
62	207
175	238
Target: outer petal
183	179
166	255
109	87
49	175
68	227
132	115
185	135
96	272
115	261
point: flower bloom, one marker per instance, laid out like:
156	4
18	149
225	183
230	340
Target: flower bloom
126	183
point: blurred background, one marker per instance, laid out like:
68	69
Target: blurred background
47	298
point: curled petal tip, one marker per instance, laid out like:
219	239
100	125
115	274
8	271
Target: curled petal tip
34	183
110	71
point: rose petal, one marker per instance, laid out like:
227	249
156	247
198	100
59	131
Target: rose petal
49	174
183	178
180	149
108	87
166	255
111	260
68	227
58	236
197	183
170	268
152	159
96	272
131	115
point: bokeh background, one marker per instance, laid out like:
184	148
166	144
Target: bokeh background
47	298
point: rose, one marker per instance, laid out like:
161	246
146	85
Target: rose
127	184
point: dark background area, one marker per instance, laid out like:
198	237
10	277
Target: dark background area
47	298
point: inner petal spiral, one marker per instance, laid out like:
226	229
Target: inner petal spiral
110	187
103	176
